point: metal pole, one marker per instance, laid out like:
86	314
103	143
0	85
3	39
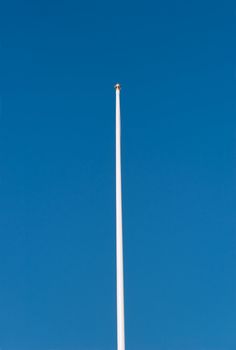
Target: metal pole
119	234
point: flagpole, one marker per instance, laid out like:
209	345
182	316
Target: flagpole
119	234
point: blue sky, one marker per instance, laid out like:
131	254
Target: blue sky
59	63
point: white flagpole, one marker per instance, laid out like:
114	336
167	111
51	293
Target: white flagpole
119	235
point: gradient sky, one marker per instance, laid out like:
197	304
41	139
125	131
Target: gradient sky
59	63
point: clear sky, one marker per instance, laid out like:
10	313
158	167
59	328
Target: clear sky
59	63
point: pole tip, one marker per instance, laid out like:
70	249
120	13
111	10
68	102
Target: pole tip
117	87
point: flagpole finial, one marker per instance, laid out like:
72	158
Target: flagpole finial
117	87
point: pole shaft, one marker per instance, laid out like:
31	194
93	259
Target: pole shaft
119	234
